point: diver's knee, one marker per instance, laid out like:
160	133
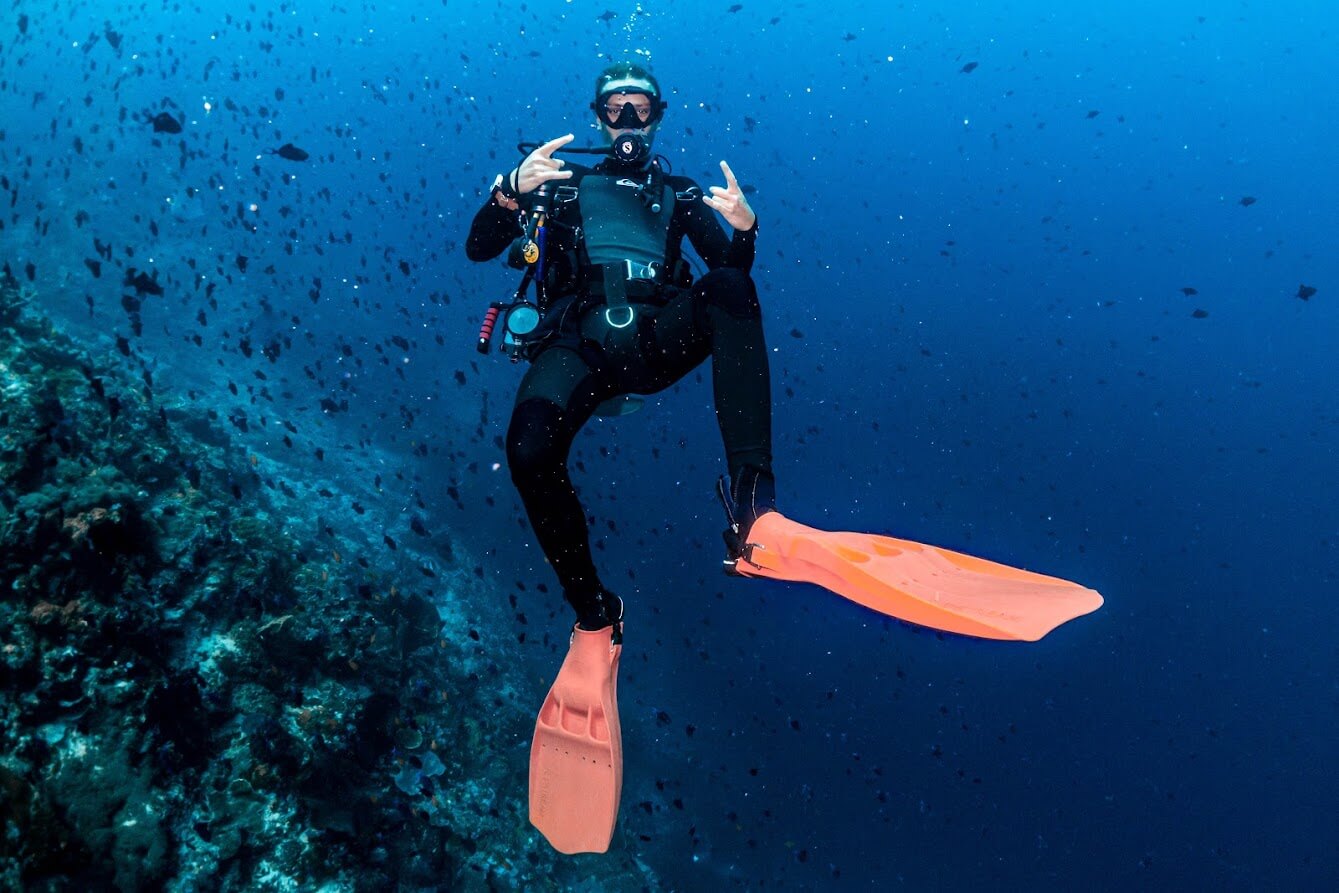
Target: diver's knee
731	290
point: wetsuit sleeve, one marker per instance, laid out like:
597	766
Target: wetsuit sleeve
492	232
709	241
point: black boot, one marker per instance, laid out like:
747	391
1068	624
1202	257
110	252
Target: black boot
599	610
746	496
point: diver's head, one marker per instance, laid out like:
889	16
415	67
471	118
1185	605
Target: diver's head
628	109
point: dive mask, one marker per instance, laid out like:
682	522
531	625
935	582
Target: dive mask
625	115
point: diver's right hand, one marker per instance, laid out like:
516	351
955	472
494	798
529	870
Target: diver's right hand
540	166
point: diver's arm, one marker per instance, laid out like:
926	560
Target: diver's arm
742	247
709	241
492	232
496	226
728	201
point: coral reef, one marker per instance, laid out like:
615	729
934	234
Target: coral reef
196	696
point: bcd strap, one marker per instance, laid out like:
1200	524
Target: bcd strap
616	310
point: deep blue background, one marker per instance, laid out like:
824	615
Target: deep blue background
973	291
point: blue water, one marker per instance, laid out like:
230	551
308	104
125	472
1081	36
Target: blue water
973	287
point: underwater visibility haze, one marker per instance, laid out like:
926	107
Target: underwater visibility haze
1055	285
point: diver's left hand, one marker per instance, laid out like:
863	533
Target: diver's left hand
730	202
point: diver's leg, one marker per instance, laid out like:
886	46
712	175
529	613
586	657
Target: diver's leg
721	316
557	396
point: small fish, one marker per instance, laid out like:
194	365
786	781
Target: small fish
291	152
1188	291
1305	292
969	67
1200	314
1247	201
142	283
1093	113
165	123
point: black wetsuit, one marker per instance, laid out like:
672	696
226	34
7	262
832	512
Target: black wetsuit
582	360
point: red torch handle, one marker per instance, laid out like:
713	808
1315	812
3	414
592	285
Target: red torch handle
486	330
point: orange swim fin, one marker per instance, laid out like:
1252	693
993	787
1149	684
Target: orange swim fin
921	584
576	756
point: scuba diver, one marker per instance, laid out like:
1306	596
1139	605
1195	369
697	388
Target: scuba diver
622	316
618	315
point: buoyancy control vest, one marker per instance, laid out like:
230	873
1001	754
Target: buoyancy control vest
621	221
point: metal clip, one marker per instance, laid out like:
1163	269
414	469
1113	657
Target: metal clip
634	270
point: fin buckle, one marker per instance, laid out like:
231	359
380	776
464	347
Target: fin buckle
746	554
731	564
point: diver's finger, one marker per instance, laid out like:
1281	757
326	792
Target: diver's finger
719	191
729	175
554	145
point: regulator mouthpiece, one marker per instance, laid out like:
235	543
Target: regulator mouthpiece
632	148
